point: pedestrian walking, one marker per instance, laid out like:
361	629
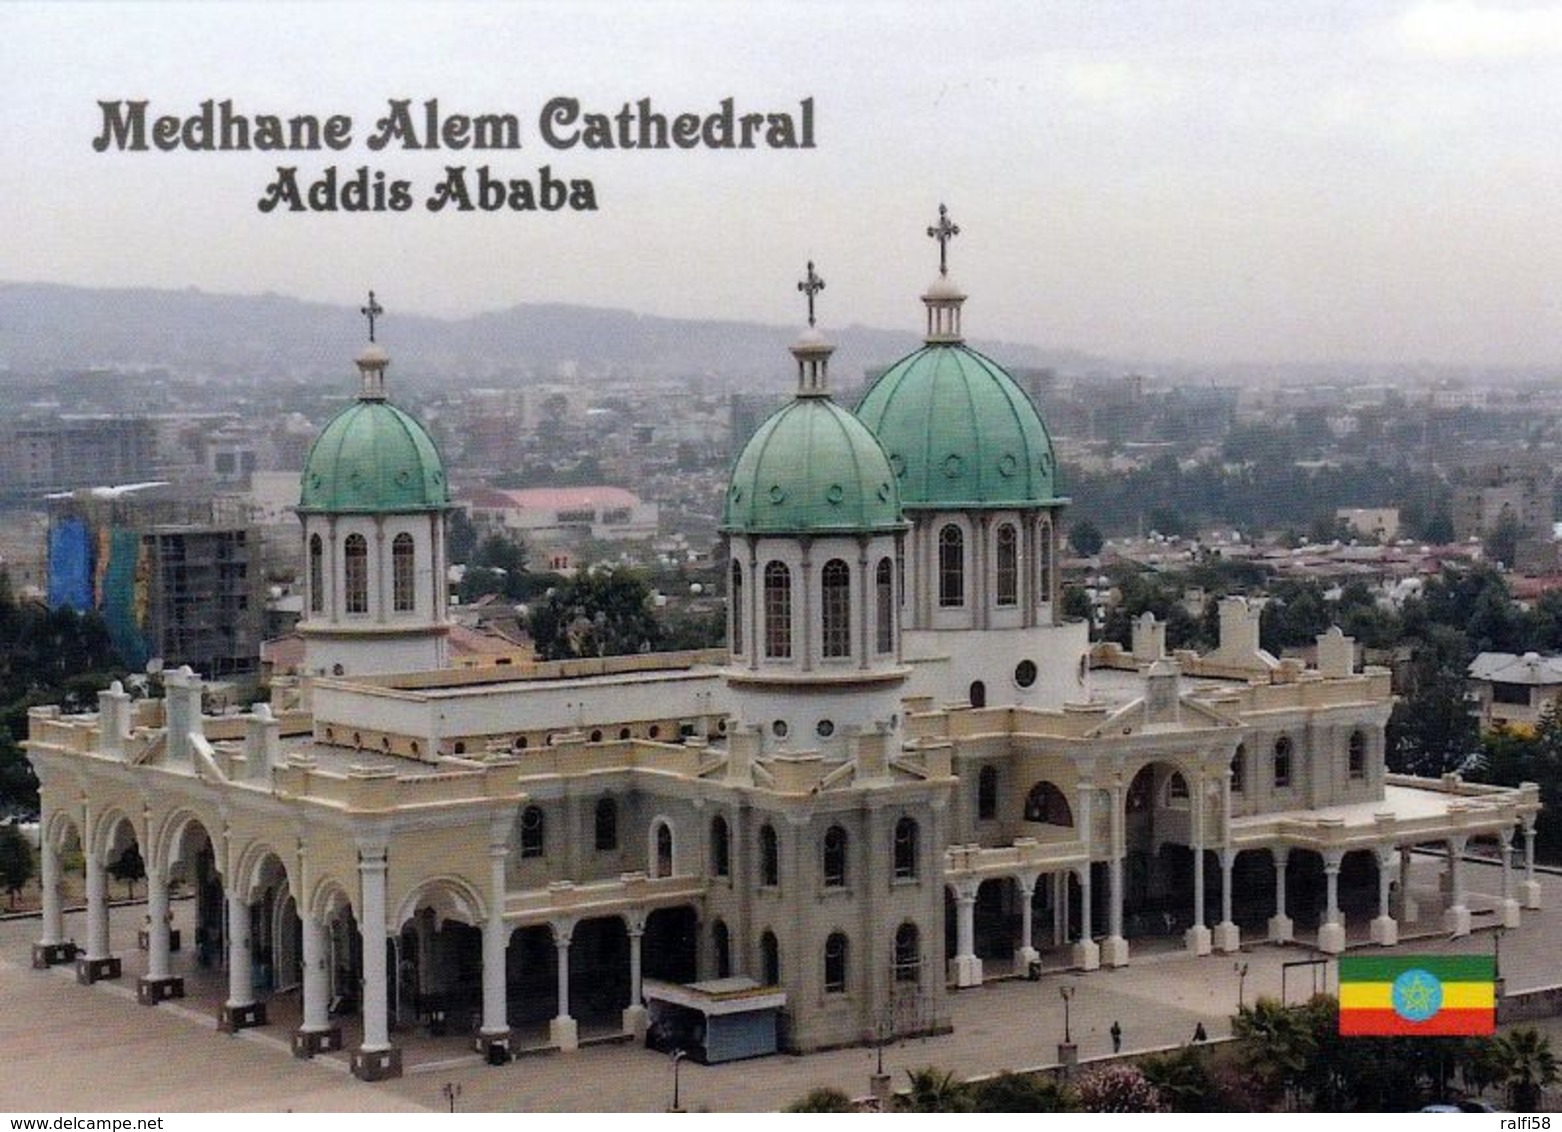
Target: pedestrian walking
1117	1037
1198	1033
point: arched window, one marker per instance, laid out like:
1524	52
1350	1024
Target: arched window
1358	755
1239	769
836	609
884	594
977	694
1045	803
355	553
720	847
987	794
1282	762
1007	582
607	825
770	959
1177	790
403	595
1044	561
778	611
769	856
951	566
835	857
664	850
905	849
316	575
835	963
531	832
908	954
721	944
736	602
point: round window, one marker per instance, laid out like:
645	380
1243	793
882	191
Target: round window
779	729
1025	673
826	728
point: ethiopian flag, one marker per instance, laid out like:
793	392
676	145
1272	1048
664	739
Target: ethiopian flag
1420	995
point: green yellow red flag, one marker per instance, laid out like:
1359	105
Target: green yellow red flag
1419	995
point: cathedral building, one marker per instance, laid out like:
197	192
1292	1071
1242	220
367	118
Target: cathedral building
907	774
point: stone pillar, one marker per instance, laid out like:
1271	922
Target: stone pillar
315	1034
1456	920
1114	948
376	1059
1228	937
563	1031
1281	930
159	983
1385	932
1409	911
1197	939
967	967
52	947
241	1011
1509	910
97	963
1025	954
1087	953
635	1014
1331	933
1059	909
494	1038
1530	889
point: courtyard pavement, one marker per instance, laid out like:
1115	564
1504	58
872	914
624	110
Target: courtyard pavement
171	1058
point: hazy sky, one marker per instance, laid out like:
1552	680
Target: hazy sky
1154	180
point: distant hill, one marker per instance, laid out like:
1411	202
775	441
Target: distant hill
49	327
45	327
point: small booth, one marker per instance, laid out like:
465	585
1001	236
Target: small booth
714	1021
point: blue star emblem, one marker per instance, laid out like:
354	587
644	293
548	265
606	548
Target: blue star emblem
1417	995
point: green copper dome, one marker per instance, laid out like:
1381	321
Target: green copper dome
959	432
811	468
373	457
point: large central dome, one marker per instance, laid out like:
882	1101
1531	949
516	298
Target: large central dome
960	432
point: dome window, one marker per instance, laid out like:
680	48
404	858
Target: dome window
835	614
951	566
1025	673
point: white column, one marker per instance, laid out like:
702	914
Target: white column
1531	887
1456	920
1025	954
376	1021
1509	910
1087	953
1228	937
1114	949
49	881
1331	933
316	987
97	908
967	967
635	1013
1409	912
157	936
1198	939
1385	932
241	990
496	939
563	1030
1280	926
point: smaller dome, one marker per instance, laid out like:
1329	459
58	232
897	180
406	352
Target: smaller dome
373	457
812	467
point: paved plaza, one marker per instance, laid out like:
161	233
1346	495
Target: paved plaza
171	1058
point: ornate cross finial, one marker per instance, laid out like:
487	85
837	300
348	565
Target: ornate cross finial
943	232
811	286
371	312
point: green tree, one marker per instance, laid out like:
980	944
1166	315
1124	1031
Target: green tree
936	1090
1431	731
1021	1092
1086	539
1277	1047
1184	1080
16	862
129	868
1527	1066
599	612
823	1100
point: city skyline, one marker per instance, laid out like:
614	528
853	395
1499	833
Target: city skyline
1204	183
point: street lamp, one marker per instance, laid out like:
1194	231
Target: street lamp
452	1090
1241	970
1067	993
678	1055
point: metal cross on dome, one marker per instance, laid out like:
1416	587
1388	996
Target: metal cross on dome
811	286
371	312
944	231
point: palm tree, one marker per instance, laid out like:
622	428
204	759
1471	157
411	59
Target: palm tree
936	1090
823	1100
1528	1066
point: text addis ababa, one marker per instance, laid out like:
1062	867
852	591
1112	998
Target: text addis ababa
563	123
